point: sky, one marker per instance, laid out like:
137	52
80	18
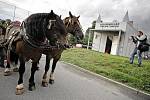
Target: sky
89	10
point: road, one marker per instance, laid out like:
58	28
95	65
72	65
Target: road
70	84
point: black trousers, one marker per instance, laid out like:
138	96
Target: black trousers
2	56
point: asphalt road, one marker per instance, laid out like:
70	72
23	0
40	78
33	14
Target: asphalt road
70	84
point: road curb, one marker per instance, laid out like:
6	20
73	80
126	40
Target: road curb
133	90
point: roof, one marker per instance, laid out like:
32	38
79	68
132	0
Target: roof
99	19
106	30
126	17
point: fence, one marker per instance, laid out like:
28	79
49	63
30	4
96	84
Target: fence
8	11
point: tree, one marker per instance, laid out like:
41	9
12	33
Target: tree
72	40
5	23
85	40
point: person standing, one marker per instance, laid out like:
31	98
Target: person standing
140	41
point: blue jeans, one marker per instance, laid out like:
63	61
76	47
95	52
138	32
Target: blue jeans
139	54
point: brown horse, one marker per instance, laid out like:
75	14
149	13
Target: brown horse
73	26
38	33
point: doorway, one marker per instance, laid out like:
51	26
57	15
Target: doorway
108	45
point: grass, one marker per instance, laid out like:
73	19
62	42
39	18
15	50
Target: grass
114	67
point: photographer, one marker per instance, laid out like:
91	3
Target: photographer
140	46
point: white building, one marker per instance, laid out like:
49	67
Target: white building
113	37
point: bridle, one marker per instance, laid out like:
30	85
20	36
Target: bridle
51	23
71	23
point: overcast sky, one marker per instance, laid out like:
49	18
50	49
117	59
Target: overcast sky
139	10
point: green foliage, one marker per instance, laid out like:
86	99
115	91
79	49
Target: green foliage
5	23
85	40
71	39
93	24
114	67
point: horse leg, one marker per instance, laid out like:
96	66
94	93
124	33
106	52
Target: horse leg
7	71
31	80
55	60
20	87
15	69
44	80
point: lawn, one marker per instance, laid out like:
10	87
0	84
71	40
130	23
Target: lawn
114	67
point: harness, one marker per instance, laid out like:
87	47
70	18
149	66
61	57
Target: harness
37	44
9	42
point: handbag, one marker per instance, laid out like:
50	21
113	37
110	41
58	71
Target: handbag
143	47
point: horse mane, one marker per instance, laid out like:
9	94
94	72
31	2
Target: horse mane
36	25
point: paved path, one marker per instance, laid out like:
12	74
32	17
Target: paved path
70	84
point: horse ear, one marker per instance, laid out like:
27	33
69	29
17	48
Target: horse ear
51	12
60	16
70	14
78	16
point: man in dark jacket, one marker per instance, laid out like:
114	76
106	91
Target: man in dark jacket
140	41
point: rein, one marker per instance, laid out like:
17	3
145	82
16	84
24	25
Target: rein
43	45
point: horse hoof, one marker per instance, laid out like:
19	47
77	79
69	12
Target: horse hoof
31	88
7	73
20	91
44	84
51	81
16	69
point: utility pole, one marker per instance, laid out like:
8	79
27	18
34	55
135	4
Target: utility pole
14	13
89	37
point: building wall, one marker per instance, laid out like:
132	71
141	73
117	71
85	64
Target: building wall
126	45
103	42
122	26
121	44
100	38
96	41
115	44
99	41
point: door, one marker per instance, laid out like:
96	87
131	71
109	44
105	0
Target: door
115	44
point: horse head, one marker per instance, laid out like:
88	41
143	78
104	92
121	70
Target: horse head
44	26
73	26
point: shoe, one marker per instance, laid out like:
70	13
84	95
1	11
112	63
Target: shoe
131	62
139	65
